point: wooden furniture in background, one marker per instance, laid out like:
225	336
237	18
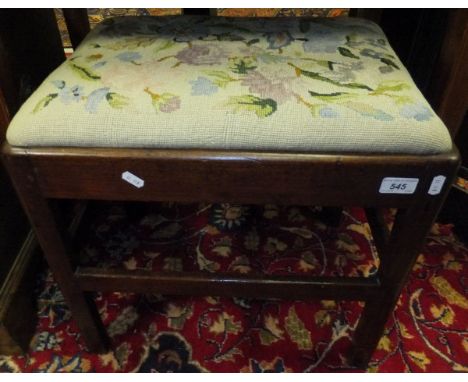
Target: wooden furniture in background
417	36
29	49
449	95
77	24
448	91
17	246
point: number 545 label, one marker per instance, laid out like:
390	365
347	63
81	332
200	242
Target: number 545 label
398	185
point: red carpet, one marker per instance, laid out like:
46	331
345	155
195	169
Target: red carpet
427	332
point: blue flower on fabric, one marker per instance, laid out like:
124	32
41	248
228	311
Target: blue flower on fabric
376	114
129	57
417	111
278	40
321	45
381	116
328	112
99	64
59	84
95	98
68	94
203	86
321	39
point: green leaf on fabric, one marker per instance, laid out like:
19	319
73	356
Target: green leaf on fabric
242	65
116	101
346	52
228	36
165	45
44	102
389	62
368	111
84	72
314	94
220	78
324	63
262	107
402	100
319	77
253	41
330	97
131	43
269	58
391	86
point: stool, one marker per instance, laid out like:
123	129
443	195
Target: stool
200	109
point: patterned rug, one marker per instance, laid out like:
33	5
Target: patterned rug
427	331
96	15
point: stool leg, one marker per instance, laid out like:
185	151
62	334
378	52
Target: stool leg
370	328
407	237
51	240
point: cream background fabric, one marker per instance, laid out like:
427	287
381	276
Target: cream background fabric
129	84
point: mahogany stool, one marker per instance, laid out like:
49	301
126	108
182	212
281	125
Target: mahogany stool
200	109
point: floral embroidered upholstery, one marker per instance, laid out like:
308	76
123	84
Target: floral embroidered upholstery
306	85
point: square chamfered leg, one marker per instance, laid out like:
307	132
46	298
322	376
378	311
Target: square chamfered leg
398	253
56	249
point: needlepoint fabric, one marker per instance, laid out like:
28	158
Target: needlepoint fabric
300	85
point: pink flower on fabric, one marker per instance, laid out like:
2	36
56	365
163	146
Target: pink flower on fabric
209	54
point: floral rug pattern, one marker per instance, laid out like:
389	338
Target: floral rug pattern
150	333
96	15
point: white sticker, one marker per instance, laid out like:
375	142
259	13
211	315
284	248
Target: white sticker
398	185
133	179
436	185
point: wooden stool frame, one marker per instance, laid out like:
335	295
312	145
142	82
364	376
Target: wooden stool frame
335	179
